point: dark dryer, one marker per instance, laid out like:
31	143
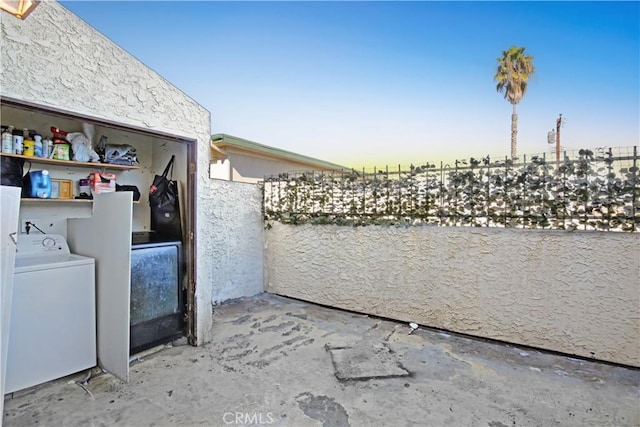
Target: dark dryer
157	296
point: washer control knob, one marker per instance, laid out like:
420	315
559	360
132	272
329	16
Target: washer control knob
48	242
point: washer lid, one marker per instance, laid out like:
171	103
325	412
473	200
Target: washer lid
48	262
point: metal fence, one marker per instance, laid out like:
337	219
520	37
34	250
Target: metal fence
586	189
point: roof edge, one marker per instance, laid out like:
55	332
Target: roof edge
235	141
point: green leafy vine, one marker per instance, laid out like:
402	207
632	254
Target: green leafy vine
592	191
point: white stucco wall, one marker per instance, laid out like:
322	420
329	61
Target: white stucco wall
573	292
221	169
54	59
248	167
236	240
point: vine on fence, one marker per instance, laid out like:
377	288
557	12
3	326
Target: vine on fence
591	192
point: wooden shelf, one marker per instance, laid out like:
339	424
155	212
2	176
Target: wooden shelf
36	200
70	162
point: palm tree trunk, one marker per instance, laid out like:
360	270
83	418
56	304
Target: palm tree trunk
514	133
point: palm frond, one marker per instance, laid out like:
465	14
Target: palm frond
513	72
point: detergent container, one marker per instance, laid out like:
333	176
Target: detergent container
29	146
38	185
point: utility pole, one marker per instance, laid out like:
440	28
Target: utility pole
558	123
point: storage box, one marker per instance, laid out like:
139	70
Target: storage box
61	188
102	182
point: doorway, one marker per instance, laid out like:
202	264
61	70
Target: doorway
157	146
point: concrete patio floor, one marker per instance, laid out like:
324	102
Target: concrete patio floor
277	361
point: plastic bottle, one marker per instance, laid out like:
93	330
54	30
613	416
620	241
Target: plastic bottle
37	138
45	185
18	142
29	146
40	184
7	140
47	148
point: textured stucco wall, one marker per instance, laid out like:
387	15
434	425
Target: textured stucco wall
573	292
248	167
55	59
236	240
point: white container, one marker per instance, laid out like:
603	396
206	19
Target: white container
18	143
47	148
37	138
7	140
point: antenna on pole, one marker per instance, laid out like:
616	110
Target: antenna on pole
558	125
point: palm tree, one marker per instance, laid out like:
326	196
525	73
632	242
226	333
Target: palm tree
512	75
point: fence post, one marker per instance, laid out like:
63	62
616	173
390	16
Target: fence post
525	189
488	192
564	194
280	203
544	186
386	181
504	190
441	210
586	190
375	191
635	188
398	196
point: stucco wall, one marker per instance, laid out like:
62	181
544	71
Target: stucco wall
236	240
573	292
55	59
253	168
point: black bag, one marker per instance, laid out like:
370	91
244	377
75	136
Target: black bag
11	173
132	188
165	206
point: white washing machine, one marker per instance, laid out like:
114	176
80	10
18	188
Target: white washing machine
52	332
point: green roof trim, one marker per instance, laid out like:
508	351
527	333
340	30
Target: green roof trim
234	141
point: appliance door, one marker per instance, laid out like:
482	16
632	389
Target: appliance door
156	294
53	325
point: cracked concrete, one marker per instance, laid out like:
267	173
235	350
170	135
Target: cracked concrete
282	362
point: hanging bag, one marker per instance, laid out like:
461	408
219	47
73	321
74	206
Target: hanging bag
165	206
12	172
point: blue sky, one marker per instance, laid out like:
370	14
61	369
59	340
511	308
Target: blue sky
364	83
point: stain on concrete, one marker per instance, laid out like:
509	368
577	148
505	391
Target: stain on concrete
239	355
243	319
259	363
270	350
299	316
236	337
497	424
240	345
294	329
236	351
276	328
270	318
324	409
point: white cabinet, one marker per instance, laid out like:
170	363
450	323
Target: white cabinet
106	236
9	206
